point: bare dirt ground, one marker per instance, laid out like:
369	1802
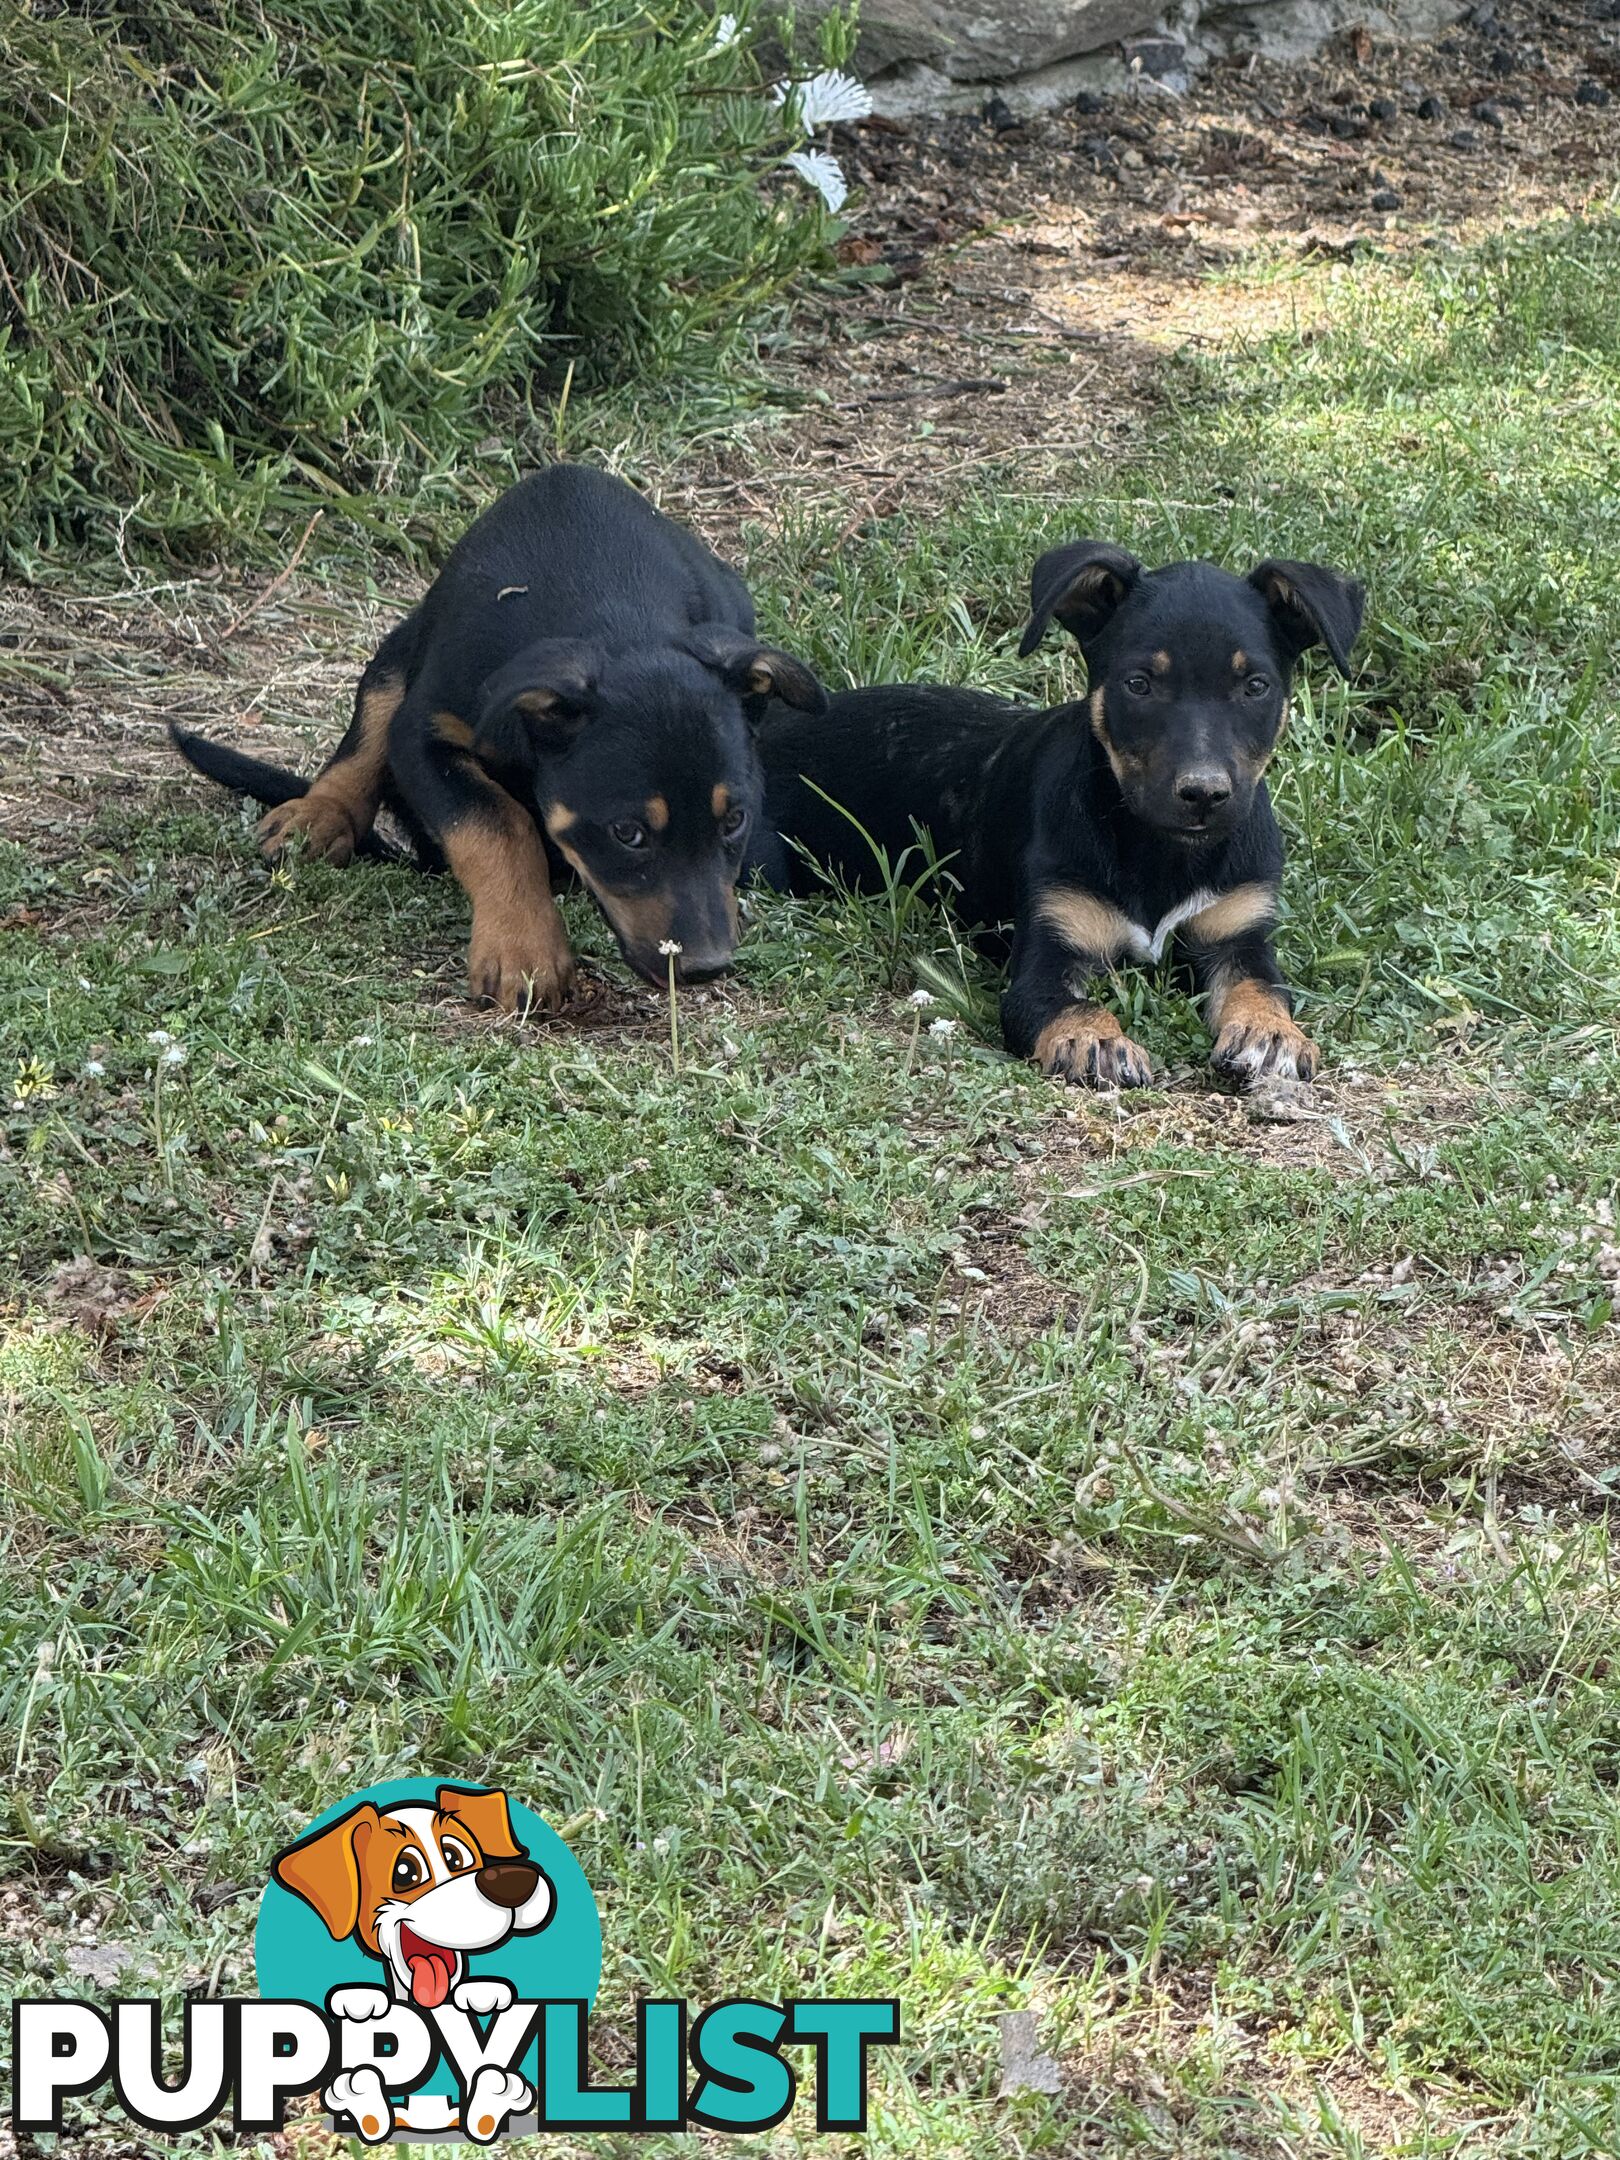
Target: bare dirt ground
1026	286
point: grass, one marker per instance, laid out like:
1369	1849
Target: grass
921	1531
262	262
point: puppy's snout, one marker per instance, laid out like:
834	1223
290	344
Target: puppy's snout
508	1882
1204	788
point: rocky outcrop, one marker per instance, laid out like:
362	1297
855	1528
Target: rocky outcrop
949	55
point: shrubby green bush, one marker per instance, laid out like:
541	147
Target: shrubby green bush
251	249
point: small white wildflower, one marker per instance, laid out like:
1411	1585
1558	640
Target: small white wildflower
94	1069
160	1037
922	997
360	1042
669	947
942	1027
823	173
725	36
825	98
85	983
175	1054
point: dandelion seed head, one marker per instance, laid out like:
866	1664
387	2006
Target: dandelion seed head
942	1027
922	997
670	947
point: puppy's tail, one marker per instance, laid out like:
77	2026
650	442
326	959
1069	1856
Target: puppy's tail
267	784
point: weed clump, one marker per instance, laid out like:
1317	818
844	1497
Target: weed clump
255	255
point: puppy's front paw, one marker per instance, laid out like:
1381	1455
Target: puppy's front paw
360	2095
357	2004
324	826
1087	1045
494	2097
520	967
483	1998
1258	1040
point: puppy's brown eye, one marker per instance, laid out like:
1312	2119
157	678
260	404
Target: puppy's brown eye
733	822
1138	685
1257	685
407	1872
629	834
456	1856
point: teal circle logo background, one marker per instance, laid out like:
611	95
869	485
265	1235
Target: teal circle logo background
296	1959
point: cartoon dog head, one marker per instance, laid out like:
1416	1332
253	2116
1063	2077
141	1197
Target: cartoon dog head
421	1888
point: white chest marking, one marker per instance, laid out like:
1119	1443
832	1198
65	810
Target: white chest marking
1146	944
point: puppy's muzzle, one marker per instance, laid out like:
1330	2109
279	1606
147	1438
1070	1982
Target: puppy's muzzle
508	1883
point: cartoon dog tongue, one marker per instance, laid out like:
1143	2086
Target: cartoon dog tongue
432	1968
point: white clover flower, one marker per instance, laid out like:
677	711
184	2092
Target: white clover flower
922	997
824	99
823	173
175	1054
726	34
942	1027
94	1069
160	1038
670	947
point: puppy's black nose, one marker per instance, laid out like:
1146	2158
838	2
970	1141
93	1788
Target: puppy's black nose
1204	789
702	964
508	1882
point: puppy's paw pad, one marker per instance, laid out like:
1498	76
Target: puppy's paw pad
483	1998
495	2097
359	2095
357	2004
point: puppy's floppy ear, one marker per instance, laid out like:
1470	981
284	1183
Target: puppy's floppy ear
486	1815
1081	585
756	671
1312	605
324	1869
539	701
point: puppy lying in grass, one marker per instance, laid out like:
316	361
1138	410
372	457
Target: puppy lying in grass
576	692
1102	830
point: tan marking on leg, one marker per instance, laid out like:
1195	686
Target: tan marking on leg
518	956
1087	1045
1161	663
720	800
1240	662
1245	907
560	819
341	805
656	811
1085	923
450	728
1255	1034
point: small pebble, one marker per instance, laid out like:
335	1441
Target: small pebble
1384	108
1000	114
1463	139
1488	114
1386	199
1503	62
1432	108
1347	128
1088	101
1591	93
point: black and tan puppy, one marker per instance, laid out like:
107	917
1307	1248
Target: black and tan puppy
578	689
1103	830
